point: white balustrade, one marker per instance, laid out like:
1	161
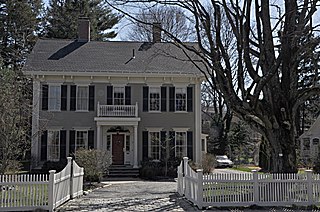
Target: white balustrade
117	110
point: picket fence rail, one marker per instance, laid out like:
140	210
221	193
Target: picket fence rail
41	191
245	189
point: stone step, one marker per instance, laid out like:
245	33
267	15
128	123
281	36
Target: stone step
123	171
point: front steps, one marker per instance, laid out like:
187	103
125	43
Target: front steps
124	171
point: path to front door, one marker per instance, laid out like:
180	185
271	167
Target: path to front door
117	149
131	196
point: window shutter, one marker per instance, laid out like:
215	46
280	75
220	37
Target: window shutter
45	93
145	97
44	143
72	141
172	104
144	144
190	145
127	95
163	99
172	144
63	150
109	95
91	97
164	145
90	139
73	97
64	92
189	99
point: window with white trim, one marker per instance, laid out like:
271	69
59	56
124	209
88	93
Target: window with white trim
54	97
118	95
82	98
154	99
154	145
81	139
108	142
53	148
127	143
181	144
181	99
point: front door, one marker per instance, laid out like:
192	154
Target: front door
117	149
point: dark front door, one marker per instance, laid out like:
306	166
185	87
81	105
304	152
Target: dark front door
117	149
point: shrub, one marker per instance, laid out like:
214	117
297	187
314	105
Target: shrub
95	163
53	165
12	167
150	169
208	163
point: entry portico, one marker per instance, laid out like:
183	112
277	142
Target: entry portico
117	132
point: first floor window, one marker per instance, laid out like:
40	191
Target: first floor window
82	98
108	142
181	98
127	143
155	145
118	95
154	101
81	139
54	97
181	144
53	145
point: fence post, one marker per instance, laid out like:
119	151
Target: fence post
71	176
255	187
200	188
310	190
51	190
184	168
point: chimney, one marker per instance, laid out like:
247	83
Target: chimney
156	32
83	29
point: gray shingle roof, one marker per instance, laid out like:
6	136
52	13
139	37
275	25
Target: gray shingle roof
114	57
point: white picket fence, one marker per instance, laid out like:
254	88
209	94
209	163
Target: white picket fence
245	189
41	191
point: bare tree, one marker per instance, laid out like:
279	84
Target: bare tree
172	19
259	76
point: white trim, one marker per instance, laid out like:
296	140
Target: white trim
154	129
180	129
81	128
35	150
154	84
108	121
198	130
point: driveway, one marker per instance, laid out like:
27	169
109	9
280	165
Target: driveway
135	195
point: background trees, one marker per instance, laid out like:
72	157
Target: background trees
257	66
62	19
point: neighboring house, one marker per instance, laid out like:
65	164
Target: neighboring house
124	97
309	143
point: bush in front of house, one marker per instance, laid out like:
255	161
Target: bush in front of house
53	165
95	163
208	163
155	169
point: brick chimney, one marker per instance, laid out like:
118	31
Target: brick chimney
83	29
156	32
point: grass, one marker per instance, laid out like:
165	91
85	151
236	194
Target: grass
245	168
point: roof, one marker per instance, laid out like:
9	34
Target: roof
53	56
314	130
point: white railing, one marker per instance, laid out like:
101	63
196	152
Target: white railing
40	191
117	110
244	189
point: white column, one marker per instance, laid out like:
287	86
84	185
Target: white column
197	142
35	121
98	137
135	146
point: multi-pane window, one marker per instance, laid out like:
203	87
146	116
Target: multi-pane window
154	100
181	144
82	97
54	97
53	145
81	139
155	145
181	99
108	142
118	95
127	143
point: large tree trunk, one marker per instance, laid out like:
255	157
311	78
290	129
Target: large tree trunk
283	154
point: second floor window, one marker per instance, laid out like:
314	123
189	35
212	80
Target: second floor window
181	99
154	99
118	95
81	139
54	97
53	150
82	98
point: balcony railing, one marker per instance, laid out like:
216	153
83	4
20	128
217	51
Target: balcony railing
117	110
